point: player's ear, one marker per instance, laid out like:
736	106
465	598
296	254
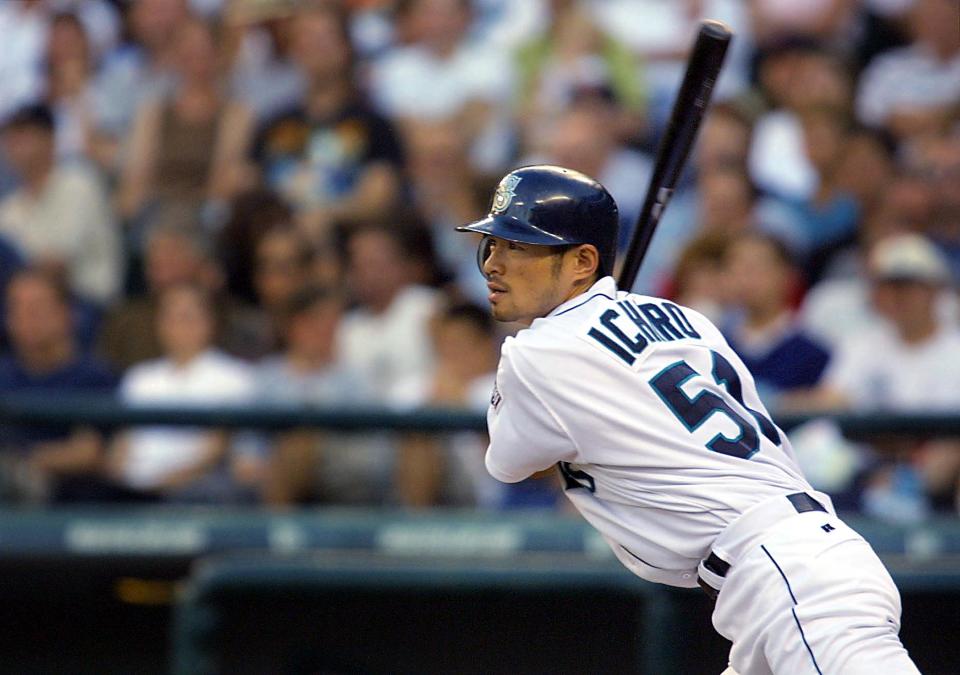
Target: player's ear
586	261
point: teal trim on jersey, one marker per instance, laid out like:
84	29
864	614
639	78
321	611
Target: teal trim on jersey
595	295
718	405
767	427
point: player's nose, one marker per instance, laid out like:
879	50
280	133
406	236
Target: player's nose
492	262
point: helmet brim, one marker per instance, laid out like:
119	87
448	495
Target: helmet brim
512	229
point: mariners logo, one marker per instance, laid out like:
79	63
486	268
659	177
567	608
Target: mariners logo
505	194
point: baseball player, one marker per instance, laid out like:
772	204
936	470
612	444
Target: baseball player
663	444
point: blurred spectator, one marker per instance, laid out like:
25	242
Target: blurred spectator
575	58
762	283
584	137
174	254
45	360
721	152
794	76
916	89
23	29
725	200
187	147
282	267
829	21
840	304
866	167
506	24
908	364
828	218
59	216
724	138
137	71
935	163
308	465
437	72
722	203
699	281
252	214
386	336
70	66
178	253
433	469
661	34
264	75
10	263
181	464
332	159
446	190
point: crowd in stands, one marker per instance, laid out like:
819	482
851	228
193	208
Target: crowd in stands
221	202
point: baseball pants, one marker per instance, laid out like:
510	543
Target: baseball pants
811	597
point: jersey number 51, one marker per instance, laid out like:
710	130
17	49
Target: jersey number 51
693	412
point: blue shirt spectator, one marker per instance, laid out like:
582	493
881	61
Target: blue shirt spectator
46	361
790	361
762	280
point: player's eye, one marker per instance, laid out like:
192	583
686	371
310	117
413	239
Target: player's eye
484	250
514	246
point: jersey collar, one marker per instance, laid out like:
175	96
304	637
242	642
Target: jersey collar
605	287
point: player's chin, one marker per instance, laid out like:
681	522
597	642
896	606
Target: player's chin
501	311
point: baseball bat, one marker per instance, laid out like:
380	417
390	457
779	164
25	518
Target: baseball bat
703	68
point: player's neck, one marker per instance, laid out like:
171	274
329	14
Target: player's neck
577	288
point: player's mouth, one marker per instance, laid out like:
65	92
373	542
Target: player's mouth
496	291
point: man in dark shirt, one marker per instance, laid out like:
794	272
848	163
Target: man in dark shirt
762	279
332	158
45	360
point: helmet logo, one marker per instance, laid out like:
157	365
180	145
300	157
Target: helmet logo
505	193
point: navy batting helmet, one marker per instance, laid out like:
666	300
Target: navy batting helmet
553	206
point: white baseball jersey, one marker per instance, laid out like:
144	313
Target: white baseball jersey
655	423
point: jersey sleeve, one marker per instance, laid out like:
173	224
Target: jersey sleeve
526	436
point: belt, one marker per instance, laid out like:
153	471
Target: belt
801	502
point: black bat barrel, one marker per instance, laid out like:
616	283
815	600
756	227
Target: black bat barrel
703	68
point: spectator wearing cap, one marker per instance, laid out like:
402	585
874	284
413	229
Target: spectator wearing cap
908	362
59	216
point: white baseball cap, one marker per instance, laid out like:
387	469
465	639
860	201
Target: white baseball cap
909	257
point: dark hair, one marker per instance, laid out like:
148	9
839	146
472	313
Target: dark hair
780	249
341	17
404	7
408	231
54	282
306	298
475	315
37	115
